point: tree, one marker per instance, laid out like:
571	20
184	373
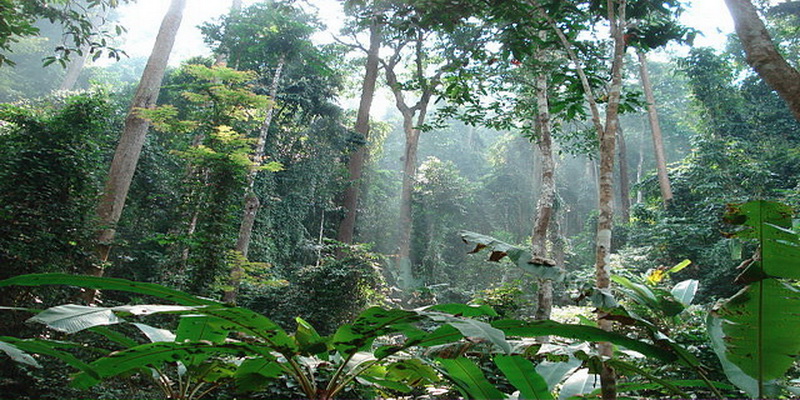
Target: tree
763	56
355	164
75	16
132	138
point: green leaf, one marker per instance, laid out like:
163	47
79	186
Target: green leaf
254	373
155	354
308	340
469	379
155	334
18	355
411	371
481	330
554	372
522	374
50	348
684	291
544	269
579	383
466	310
196	328
757	339
102	283
71	318
681	265
581	332
370	324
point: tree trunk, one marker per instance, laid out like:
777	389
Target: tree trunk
251	202
624	181
405	274
355	165
763	56
74	70
547	191
655	127
133	135
605	222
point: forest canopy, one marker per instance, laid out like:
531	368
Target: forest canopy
397	199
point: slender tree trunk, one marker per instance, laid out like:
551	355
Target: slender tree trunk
251	202
133	135
605	222
763	56
655	127
405	274
547	191
76	65
355	165
624	180
640	166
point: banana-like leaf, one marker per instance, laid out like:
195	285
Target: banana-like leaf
522	374
412	372
579	383
71	318
465	310
469	379
155	354
755	333
581	332
540	267
554	372
50	348
103	283
18	355
370	324
196	328
308	340
255	373
684	291
155	334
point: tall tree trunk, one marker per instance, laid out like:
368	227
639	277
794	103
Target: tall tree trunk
763	56
605	222
251	202
547	191
624	180
355	165
133	135
405	277
640	166
655	128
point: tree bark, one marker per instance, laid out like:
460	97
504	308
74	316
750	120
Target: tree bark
221	59
251	202
133	135
544	206
355	165
405	277
763	56
605	222
624	180
655	128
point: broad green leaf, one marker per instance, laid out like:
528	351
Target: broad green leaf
466	310
757	341
581	332
50	348
251	323
155	354
384	383
308	340
579	383
411	371
469	379
624	366
603	299
641	293
481	330
255	373
443	334
522	374
155	334
103	283
71	318
370	324
18	355
554	372
196	328
541	268
684	291
114	336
